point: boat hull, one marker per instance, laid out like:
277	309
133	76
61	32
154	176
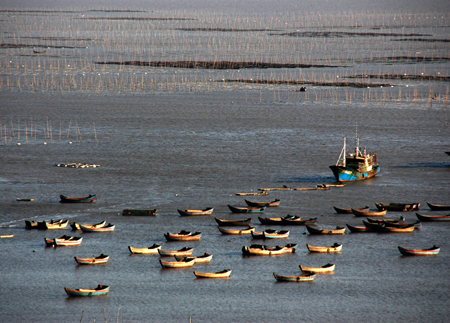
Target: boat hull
419	252
101	290
429	218
300	278
347	174
220	274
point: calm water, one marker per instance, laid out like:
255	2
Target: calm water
171	139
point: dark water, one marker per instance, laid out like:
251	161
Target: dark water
173	141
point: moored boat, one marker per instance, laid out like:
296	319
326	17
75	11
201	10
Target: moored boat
225	222
58	224
87	199
263	250
336	247
369	212
54	226
206	257
401	207
270	234
246	209
99	290
183	236
438	207
287	220
427	218
273	203
6	236
338	230
185	251
252	194
275	234
207	211
355	166
134	212
297	278
102	259
348	211
247	230
322	269
183	263
150	250
357	229
400	220
107	228
419	252
76	226
219	274
64	241
383	227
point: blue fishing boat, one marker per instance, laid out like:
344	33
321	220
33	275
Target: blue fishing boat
356	166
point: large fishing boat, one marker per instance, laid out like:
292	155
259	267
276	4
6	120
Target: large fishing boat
355	166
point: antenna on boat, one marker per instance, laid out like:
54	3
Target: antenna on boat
357	142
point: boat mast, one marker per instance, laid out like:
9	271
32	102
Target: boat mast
344	150
357	142
342	155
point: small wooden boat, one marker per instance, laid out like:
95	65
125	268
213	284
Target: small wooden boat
336	247
247	230
64	241
427	218
383	227
54	226
257	249
273	203
275	234
270	234
438	207
36	51
99	290
76	226
133	212
219	274
292	220
348	211
43	224
183	236
246	209
300	278
369	212
24	200
402	207
262	250
102	259
400	220
338	230
287	220
284	188
323	269
224	222
252	194
6	236
87	199
107	228
150	250
419	252
185	251
207	211
186	262
206	257
356	229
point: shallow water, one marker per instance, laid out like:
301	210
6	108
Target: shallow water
191	143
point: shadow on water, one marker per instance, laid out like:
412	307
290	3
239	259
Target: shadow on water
425	165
